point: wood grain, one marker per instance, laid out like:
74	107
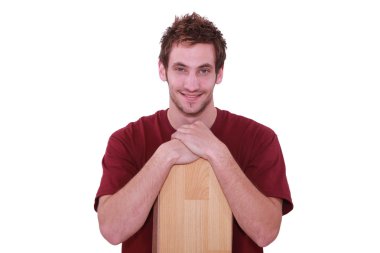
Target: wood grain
191	212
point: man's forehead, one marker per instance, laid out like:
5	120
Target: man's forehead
196	54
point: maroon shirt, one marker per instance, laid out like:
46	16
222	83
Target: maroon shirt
255	148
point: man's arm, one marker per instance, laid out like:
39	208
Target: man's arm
258	215
122	214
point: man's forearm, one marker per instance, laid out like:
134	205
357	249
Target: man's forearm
123	214
258	215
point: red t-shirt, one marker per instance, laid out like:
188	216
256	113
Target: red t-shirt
255	148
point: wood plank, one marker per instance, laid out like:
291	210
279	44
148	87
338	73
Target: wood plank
191	212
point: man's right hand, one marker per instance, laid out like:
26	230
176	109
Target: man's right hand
181	154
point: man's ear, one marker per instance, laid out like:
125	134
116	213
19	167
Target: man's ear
162	71
219	76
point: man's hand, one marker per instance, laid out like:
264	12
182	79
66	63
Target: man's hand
182	155
199	139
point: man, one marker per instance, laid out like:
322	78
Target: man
245	155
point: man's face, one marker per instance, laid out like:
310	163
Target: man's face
191	78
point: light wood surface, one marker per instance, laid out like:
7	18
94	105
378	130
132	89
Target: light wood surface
191	212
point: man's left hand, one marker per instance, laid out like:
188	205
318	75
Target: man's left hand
199	139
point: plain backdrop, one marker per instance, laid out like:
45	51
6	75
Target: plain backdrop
73	72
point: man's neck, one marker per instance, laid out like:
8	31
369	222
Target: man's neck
178	118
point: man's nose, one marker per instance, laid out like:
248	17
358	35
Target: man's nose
192	82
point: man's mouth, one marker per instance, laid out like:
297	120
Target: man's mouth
191	97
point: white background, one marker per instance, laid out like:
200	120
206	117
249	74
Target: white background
73	72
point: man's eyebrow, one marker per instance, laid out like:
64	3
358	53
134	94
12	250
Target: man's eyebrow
206	65
179	64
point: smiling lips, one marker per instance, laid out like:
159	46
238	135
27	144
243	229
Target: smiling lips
191	97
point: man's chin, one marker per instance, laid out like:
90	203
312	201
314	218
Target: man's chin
192	111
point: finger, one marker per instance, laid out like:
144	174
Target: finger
182	137
185	129
174	135
178	135
186	126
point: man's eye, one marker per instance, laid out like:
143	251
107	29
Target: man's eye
204	71
180	69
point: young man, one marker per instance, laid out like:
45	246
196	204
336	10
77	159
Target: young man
245	155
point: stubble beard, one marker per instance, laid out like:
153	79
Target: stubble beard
192	111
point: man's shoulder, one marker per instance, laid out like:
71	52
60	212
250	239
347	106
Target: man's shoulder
141	124
239	122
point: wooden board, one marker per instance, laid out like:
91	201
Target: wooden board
191	212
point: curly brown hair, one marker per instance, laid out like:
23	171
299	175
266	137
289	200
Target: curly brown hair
193	29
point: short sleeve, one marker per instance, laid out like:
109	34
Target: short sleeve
267	170
118	167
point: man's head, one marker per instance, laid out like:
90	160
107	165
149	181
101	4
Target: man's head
191	61
193	29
